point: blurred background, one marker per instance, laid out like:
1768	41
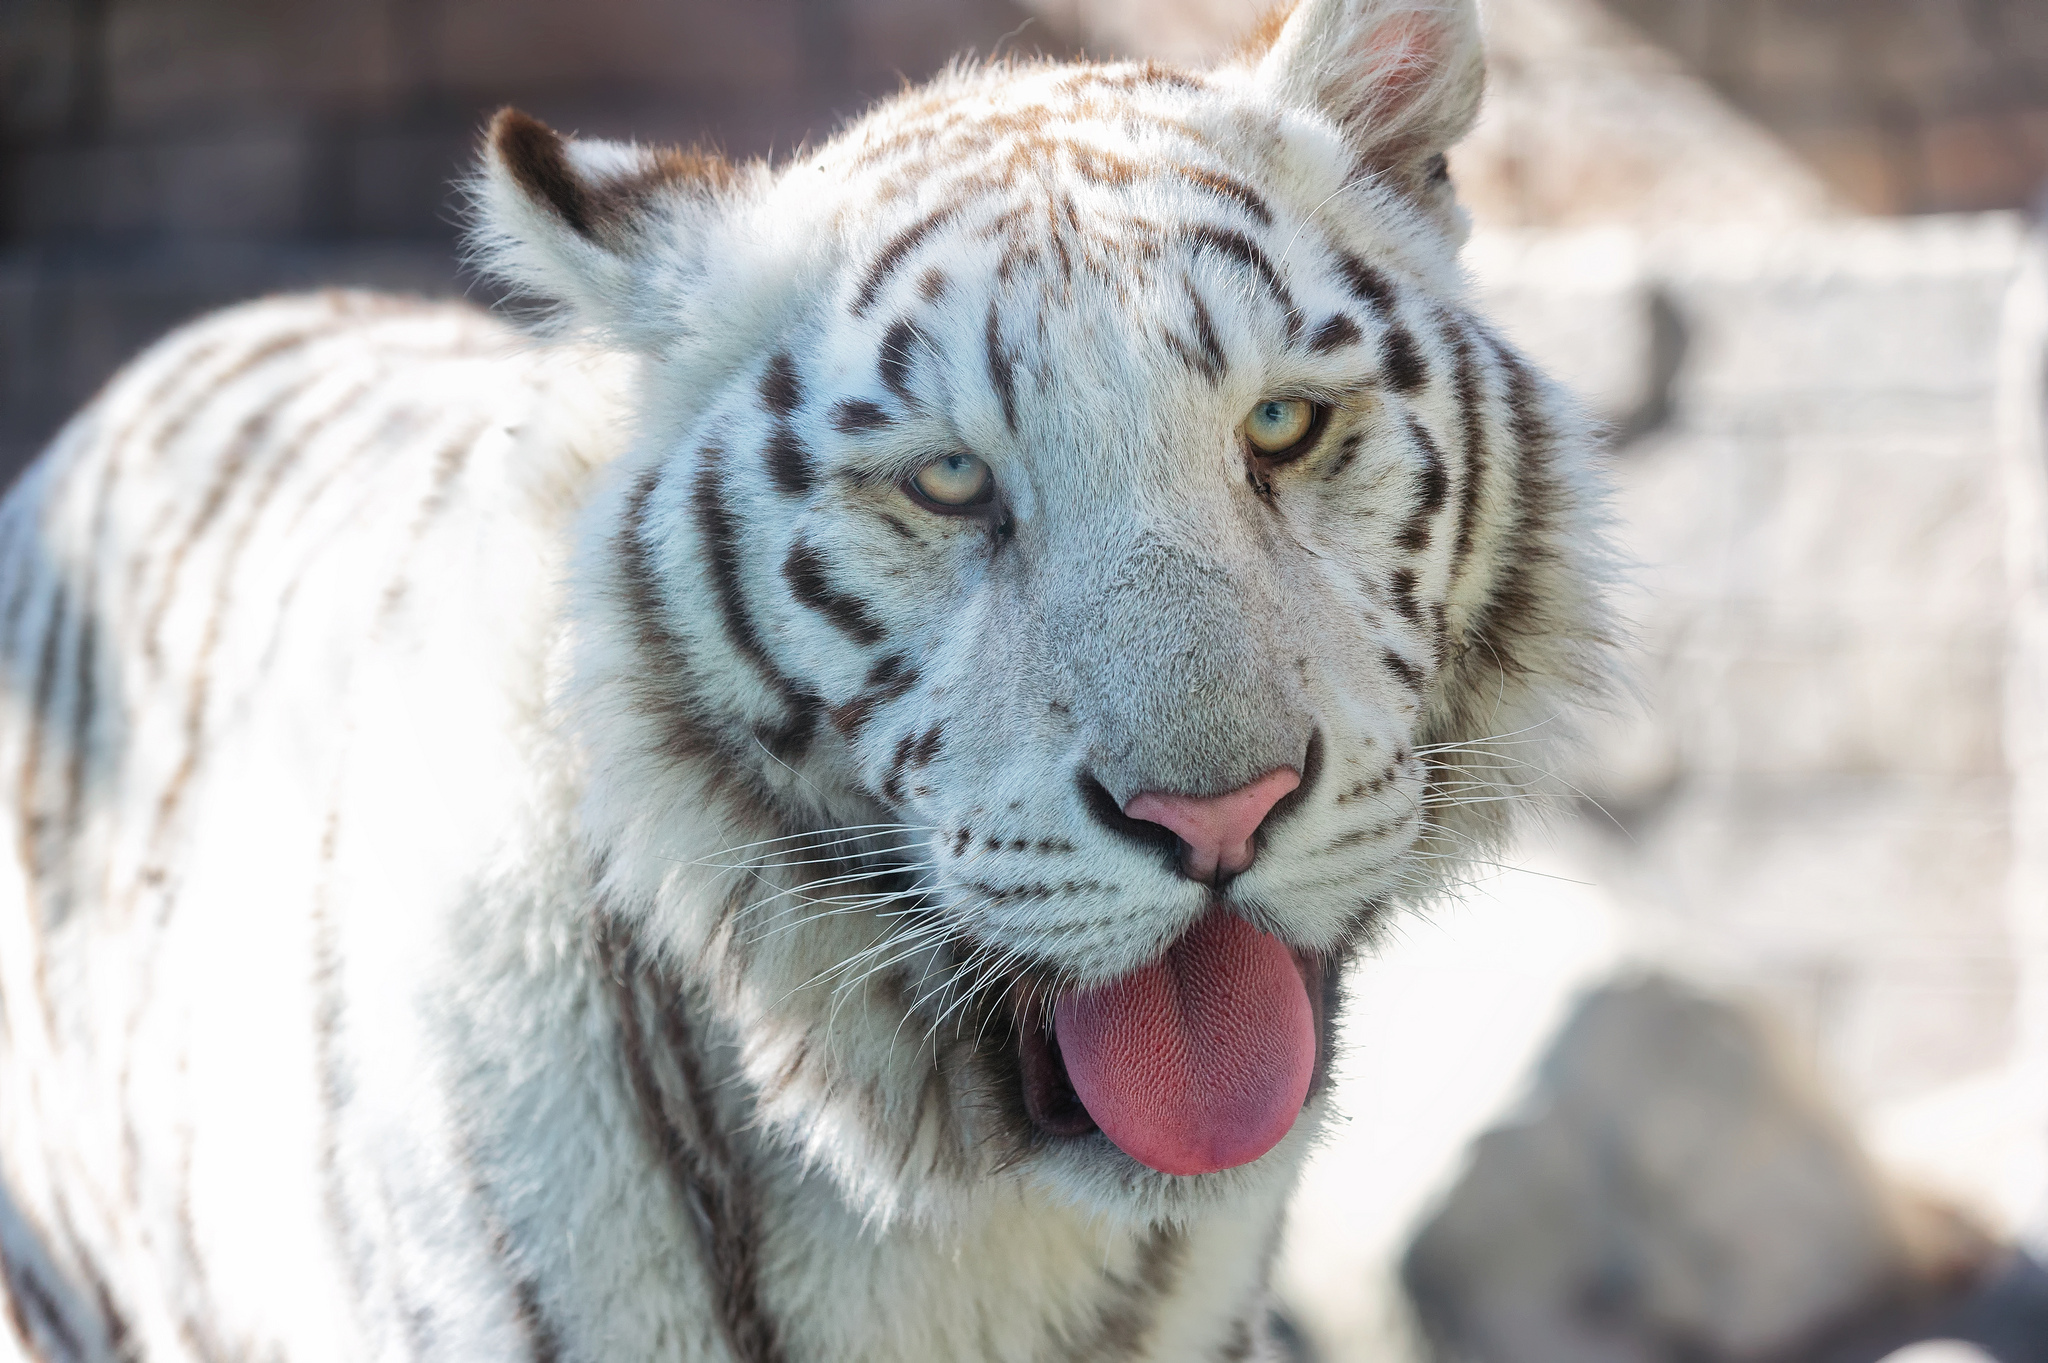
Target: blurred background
1745	1057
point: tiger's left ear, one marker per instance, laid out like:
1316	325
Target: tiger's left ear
612	230
1402	78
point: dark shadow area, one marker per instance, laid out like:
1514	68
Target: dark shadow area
1902	106
159	158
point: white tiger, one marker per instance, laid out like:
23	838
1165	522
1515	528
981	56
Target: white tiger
815	815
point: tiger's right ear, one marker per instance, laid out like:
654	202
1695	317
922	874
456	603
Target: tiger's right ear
598	226
1402	78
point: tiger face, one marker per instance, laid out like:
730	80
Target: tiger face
1078	522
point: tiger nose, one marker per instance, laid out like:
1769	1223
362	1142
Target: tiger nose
1215	831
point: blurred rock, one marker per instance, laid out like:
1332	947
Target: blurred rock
1675	1187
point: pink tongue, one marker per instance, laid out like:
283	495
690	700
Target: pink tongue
1200	1061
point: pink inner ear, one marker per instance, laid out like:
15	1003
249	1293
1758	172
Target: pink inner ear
1395	62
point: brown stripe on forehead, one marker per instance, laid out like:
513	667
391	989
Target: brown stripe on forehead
897	251
809	577
1247	253
1206	356
1433	486
721	550
1218	183
893	364
1001	371
1134	78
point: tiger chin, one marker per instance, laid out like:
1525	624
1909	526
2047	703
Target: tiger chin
813	807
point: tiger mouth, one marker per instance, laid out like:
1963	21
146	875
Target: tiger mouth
1053	1105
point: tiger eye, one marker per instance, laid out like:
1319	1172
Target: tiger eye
1278	424
958	480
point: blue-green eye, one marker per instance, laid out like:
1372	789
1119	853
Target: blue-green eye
1279	424
958	480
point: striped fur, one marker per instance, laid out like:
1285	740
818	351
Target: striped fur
544	850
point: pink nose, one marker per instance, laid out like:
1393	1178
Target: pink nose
1215	830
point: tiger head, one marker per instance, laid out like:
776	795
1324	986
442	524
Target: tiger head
1080	567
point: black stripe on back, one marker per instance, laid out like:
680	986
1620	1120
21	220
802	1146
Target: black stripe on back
680	1119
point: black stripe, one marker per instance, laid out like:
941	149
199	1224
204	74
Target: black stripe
1401	586
1516	606
29	1302
1206	357
1409	673
893	255
1229	188
809	577
1246	252
1000	369
1334	334
1347	450
1472	420
782	392
36	824
888	679
1124	1322
1435	485
893	364
1401	360
789	463
662	678
720	546
858	414
290	448
241	447
1366	283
